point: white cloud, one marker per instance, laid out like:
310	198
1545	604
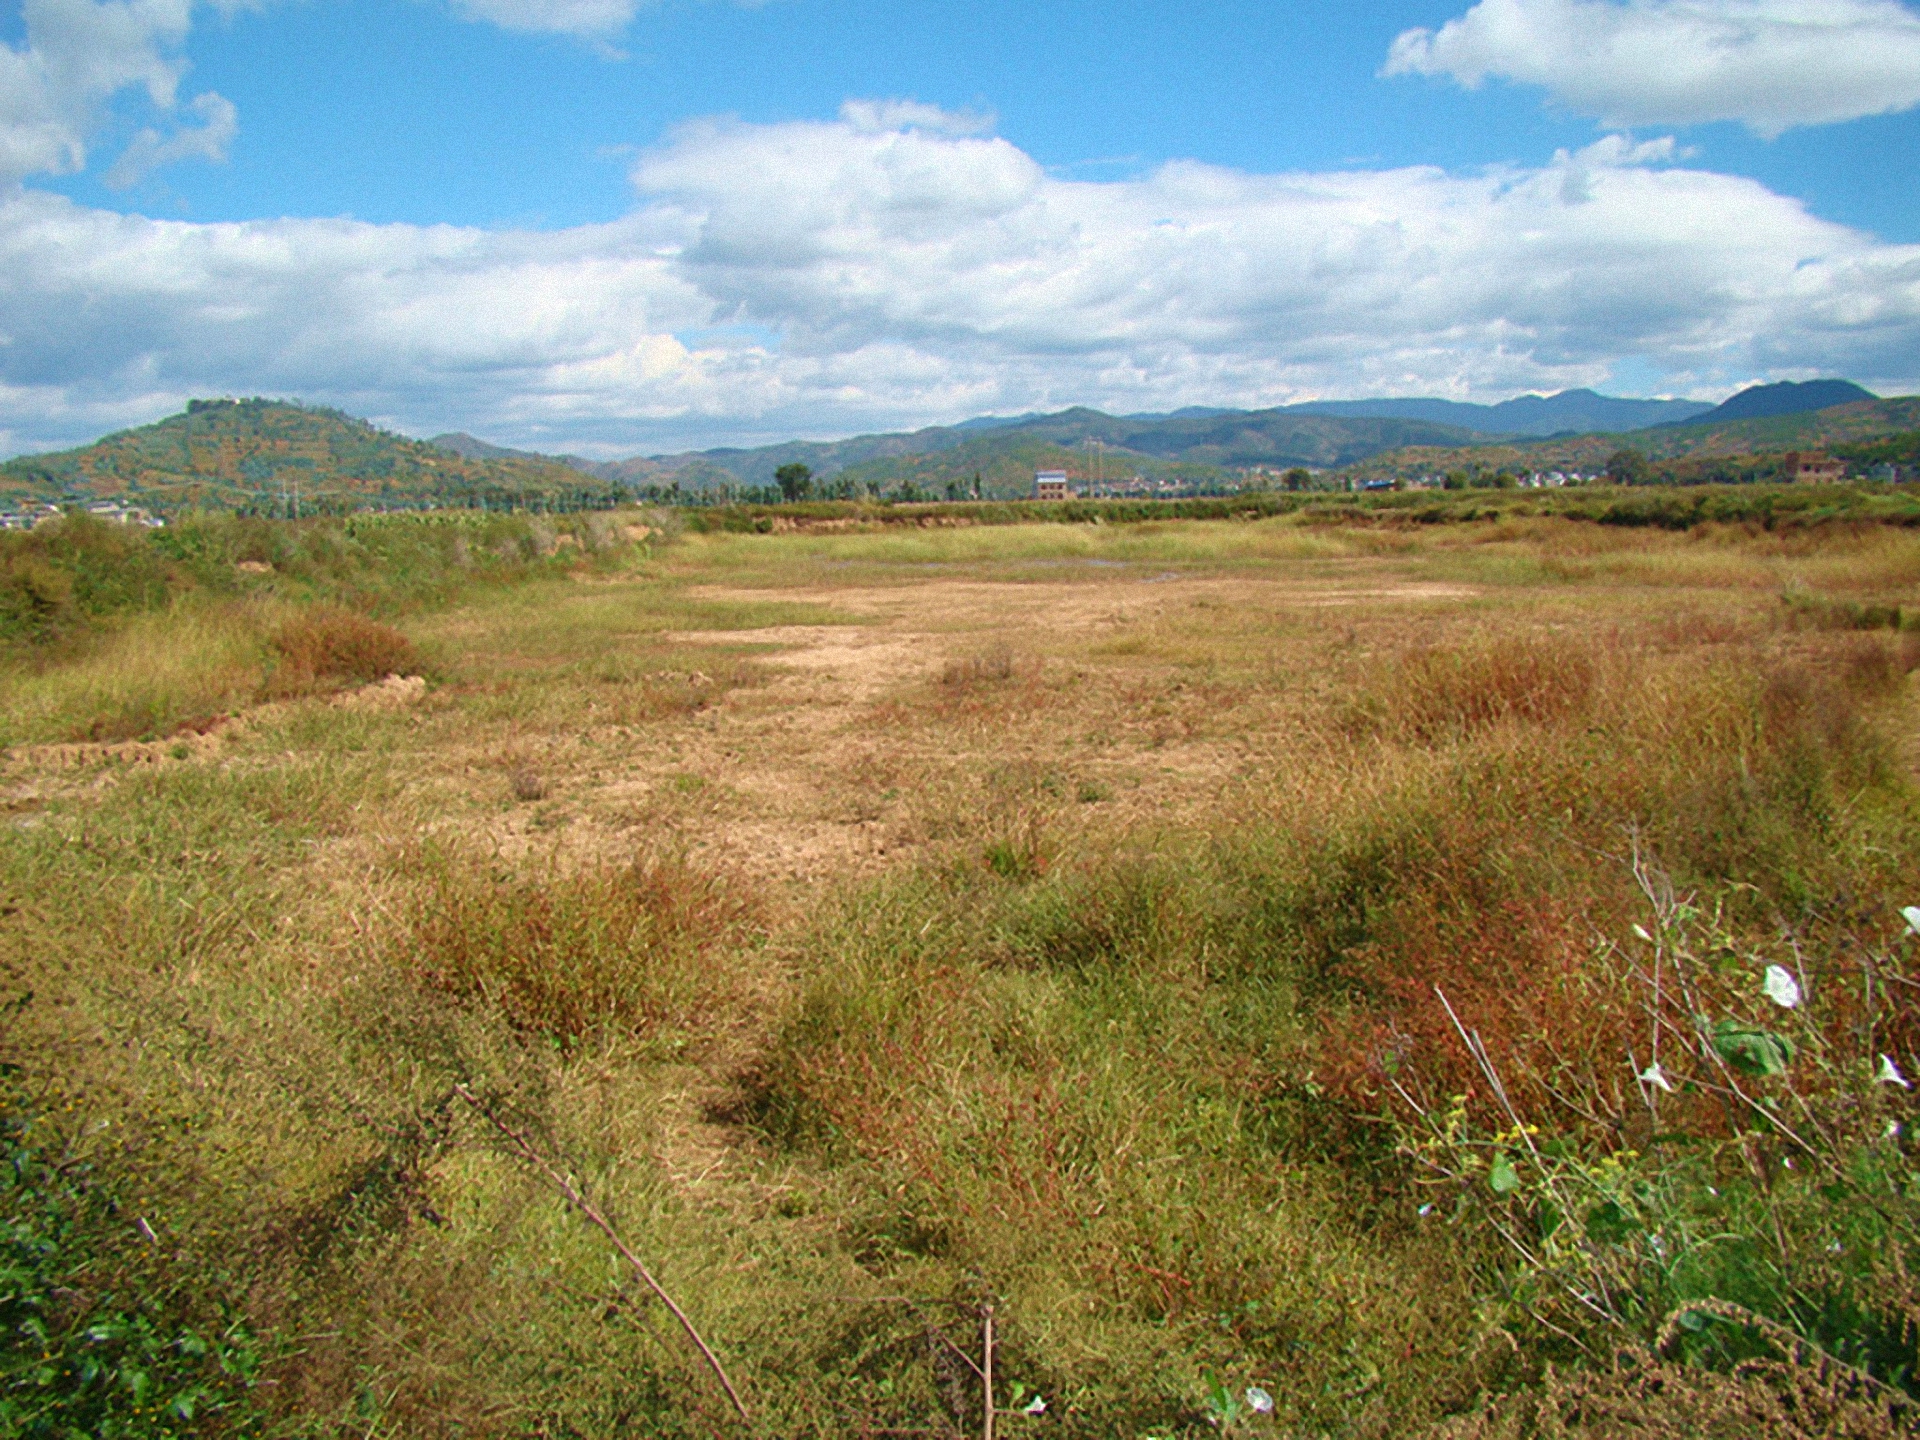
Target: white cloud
78	55
1770	64
209	140
588	18
840	275
876	116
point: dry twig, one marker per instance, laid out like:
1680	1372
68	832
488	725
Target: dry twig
524	1148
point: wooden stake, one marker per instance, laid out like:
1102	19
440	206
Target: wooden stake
986	1368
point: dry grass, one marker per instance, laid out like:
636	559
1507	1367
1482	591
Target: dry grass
847	951
650	950
1432	696
326	646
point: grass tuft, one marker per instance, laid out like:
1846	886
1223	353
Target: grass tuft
648	949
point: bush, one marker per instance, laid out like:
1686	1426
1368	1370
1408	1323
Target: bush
36	598
324	645
75	570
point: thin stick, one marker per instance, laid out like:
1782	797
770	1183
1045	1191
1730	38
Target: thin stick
524	1148
986	1369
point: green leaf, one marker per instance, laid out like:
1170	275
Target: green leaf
1503	1177
1750	1050
1610	1225
1550	1218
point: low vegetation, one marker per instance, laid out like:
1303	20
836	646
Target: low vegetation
1437	967
111	632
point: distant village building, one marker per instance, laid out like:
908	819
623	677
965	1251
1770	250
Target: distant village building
1051	485
38	512
1813	467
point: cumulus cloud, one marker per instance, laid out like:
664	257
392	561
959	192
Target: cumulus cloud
79	54
832	276
589	18
1769	64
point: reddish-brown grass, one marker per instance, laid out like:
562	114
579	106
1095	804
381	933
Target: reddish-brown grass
326	646
635	947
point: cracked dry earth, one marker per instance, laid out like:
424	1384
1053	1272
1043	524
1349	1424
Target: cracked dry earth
948	708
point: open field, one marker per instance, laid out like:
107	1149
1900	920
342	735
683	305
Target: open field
1328	955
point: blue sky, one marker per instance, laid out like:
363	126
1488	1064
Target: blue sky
619	227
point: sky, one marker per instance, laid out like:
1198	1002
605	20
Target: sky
613	227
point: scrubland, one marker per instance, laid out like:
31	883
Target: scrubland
1338	962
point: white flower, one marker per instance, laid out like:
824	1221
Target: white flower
1035	1406
1912	914
1781	987
1655	1076
1426	1209
1890	1074
1259	1401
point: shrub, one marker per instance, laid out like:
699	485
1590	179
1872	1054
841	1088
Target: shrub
74	570
325	645
36	598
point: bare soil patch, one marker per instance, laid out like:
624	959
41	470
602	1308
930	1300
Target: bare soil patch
856	757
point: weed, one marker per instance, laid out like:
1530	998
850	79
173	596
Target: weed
1434	695
1164	1081
527	785
321	646
994	667
96	1336
636	948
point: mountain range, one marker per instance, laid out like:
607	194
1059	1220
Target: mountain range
1003	451
1570	410
260	454
1722	432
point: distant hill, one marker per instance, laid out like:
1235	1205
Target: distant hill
1849	424
252	453
1789	397
1319	434
1570	410
1216	440
467	447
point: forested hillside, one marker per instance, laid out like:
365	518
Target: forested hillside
1848	425
269	455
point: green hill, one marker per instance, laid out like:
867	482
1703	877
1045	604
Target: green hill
257	454
1005	452
1853	424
